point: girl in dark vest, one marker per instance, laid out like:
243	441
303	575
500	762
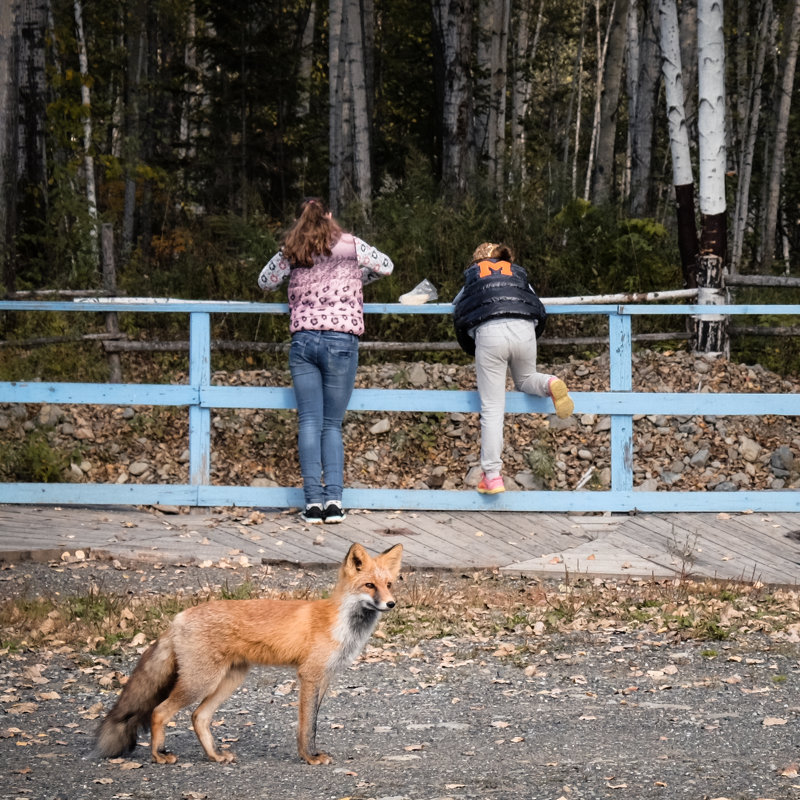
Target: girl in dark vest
497	317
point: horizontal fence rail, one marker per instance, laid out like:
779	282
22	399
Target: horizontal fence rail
200	396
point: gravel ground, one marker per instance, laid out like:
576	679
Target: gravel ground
576	715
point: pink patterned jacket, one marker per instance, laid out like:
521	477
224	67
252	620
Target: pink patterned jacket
328	295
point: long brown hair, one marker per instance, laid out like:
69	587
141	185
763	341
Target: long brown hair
313	233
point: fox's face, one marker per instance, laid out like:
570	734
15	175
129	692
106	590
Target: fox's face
376	592
370	578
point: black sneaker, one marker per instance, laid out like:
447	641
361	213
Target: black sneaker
333	512
313	514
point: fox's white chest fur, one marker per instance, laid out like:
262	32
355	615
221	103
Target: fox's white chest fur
353	628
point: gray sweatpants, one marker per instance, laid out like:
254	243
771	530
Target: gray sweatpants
501	344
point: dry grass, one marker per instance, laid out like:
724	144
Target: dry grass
483	606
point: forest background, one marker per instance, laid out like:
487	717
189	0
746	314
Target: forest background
193	127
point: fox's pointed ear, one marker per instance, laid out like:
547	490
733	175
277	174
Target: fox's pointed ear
391	558
356	557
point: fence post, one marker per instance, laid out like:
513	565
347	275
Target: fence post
199	417
621	380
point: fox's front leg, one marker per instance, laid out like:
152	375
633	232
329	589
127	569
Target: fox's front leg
311	693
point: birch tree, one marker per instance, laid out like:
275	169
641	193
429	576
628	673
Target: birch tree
643	124
452	49
781	134
682	178
576	99
357	86
609	103
349	118
632	85
711	330
306	60
336	75
8	142
137	54
32	93
522	82
86	110
749	115
494	19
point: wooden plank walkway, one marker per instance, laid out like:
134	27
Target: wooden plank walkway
747	546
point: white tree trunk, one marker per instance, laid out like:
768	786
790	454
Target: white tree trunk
711	116
679	139
781	133
711	330
86	103
673	85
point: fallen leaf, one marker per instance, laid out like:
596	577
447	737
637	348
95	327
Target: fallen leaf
22	708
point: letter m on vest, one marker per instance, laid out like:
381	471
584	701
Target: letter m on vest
486	268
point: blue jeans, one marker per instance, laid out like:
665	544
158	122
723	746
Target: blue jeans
323	366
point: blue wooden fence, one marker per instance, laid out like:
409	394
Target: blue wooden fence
200	396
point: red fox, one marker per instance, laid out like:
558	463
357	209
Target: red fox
207	651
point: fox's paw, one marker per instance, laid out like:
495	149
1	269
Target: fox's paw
318	758
163	757
224	757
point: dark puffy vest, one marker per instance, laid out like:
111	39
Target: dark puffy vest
492	290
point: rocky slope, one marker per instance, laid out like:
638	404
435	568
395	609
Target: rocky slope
426	450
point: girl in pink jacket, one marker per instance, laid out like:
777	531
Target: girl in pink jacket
326	268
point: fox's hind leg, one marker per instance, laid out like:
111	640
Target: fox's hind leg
178	698
201	718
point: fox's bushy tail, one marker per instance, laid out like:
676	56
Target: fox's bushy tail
149	684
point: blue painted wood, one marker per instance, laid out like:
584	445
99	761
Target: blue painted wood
648	403
401	499
199	416
689	404
114	394
101	494
620	402
621	380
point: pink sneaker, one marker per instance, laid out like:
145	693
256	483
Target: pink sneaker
491	485
562	402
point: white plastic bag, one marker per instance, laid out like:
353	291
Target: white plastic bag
423	292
